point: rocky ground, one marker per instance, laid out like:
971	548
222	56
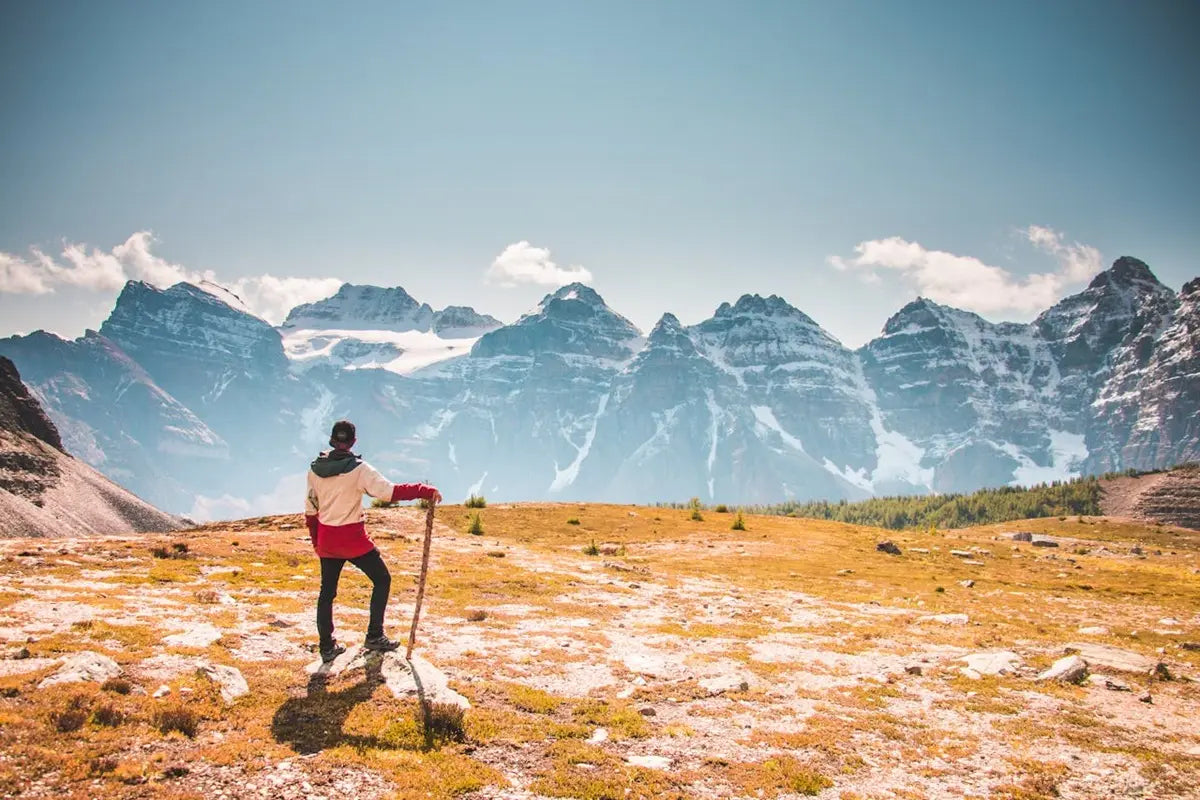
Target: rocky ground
1171	497
610	652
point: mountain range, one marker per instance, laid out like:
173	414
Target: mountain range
202	408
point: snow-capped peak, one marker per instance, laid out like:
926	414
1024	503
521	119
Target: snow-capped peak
225	296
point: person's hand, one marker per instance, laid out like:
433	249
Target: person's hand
437	497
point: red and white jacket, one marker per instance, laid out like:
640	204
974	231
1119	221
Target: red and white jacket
333	503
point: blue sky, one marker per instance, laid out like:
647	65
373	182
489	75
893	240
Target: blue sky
681	153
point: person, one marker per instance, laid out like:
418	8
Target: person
334	515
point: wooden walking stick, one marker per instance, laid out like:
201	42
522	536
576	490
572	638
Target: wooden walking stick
412	633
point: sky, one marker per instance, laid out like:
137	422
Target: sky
847	156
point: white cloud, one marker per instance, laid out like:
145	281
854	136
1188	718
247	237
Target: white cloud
18	276
1078	261
272	298
522	263
268	296
967	282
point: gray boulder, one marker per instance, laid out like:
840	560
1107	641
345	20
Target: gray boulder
1069	669
84	666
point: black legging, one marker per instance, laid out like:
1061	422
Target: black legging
373	567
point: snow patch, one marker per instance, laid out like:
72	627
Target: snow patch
418	348
857	477
715	411
565	477
766	418
1067	452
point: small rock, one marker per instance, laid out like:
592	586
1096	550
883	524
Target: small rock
647	711
1106	682
1111	658
914	669
945	619
1161	672
1193	646
961	553
626	693
1094	630
845	572
998	662
230	679
1022	536
83	666
598	736
161	692
202	635
967	584
1146	698
1044	541
888	547
610	549
1069	669
972	562
650	762
1168	621
1195	751
20	654
918	550
721	684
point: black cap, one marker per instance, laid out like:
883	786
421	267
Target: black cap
343	433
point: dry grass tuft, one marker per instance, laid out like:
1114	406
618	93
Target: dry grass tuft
177	718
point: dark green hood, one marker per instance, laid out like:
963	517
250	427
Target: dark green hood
335	462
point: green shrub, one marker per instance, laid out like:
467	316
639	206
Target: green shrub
694	505
73	716
476	526
476	501
108	715
573	521
441	722
177	718
380	502
176	550
721	508
739	523
591	549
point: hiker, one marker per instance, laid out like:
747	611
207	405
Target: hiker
334	514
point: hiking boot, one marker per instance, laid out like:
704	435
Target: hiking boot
332	652
380	644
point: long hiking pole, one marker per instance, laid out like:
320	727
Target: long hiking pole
412	633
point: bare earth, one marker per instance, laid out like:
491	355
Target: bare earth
1168	497
791	659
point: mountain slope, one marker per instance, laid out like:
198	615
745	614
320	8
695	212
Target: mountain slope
44	491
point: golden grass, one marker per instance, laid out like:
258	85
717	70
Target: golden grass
1020	599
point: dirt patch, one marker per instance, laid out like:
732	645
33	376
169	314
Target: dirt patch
1171	498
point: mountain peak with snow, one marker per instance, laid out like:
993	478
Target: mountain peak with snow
1125	271
755	304
355	307
572	320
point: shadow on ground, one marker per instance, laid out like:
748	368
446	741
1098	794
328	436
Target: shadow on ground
317	721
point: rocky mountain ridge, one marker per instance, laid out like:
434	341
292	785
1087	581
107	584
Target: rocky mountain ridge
755	404
46	492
